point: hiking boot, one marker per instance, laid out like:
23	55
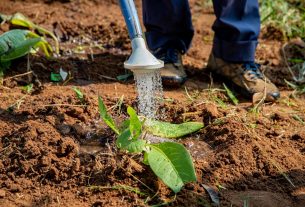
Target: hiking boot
172	73
247	76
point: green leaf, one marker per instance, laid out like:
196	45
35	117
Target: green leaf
106	117
231	95
78	93
168	130
145	158
220	102
125	142
20	50
9	39
28	88
172	163
135	125
124	125
55	77
17	43
20	20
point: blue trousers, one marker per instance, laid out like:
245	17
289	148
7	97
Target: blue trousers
169	24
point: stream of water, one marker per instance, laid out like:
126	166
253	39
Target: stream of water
150	92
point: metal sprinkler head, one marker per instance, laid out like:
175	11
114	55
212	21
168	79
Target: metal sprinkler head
141	59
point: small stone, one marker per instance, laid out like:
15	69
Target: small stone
2	193
64	129
210	112
261	165
80	130
275	62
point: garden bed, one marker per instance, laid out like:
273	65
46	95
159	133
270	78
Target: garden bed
56	151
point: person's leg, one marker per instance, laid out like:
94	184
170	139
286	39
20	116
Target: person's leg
236	28
168	23
169	32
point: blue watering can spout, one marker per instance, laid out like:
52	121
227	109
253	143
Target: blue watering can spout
141	59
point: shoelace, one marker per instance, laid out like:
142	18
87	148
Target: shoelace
254	70
169	55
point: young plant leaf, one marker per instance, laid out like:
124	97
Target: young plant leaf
20	20
17	43
106	117
125	142
172	163
20	50
168	130
231	95
11	38
145	158
28	88
78	93
124	125
135	124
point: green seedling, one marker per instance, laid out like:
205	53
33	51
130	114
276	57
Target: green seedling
28	88
231	95
18	43
20	20
253	125
299	119
220	102
80	96
170	161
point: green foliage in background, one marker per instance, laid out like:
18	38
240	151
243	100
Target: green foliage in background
286	16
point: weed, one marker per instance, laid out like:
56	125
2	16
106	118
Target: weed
220	102
231	95
289	102
298	118
80	96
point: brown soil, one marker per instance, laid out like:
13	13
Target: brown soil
63	155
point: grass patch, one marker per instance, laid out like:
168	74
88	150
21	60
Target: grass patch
287	17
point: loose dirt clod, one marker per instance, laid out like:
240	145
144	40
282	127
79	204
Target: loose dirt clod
2	193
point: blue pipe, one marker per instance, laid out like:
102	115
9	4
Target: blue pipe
129	11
